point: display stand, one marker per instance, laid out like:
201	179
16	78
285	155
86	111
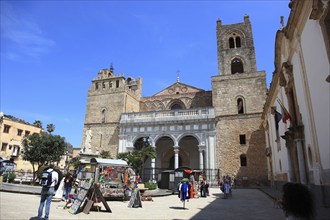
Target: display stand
81	197
94	192
135	201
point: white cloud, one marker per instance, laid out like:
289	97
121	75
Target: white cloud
23	36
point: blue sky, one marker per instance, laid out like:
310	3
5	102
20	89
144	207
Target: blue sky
51	50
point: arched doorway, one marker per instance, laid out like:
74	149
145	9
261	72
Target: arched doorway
164	152
189	151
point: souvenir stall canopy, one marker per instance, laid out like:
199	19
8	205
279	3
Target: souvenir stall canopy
110	176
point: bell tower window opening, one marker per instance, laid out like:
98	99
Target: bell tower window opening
117	83
234	41
231	43
103	116
238	42
237	66
240	106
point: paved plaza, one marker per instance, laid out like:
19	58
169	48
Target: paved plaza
245	204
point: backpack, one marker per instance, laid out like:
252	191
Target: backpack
46	178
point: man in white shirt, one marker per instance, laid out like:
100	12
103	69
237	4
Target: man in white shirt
47	193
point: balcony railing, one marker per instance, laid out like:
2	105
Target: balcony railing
169	115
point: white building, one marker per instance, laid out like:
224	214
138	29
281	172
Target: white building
299	150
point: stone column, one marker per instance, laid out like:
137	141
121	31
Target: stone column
301	161
176	157
153	162
201	159
122	143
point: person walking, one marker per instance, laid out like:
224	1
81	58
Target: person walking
48	181
68	185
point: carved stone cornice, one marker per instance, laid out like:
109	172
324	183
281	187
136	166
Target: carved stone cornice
286	75
317	9
289	139
296	8
298	132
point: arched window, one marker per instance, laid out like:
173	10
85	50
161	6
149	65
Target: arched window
238	42
176	106
231	43
240	106
103	116
237	66
96	86
243	160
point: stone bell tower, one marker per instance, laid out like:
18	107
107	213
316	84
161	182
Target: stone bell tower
238	96
109	96
235	48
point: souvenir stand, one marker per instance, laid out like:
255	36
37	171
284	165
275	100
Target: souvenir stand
109	176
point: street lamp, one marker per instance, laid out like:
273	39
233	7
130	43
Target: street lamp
66	161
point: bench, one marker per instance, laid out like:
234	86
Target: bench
142	187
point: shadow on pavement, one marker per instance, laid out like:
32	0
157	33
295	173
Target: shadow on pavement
178	207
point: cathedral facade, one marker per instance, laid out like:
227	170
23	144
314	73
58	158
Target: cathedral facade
217	131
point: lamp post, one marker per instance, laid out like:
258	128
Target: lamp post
144	145
67	161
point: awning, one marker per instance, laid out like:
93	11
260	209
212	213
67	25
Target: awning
102	161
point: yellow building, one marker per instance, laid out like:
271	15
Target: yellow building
12	132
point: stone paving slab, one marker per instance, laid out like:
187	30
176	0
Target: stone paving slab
245	204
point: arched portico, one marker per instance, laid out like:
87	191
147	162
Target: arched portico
181	138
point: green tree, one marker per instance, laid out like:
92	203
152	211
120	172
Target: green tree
139	155
43	149
50	128
105	154
37	123
75	162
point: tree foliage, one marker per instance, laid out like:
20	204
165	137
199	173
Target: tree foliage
37	123
50	128
138	156
43	149
75	162
105	154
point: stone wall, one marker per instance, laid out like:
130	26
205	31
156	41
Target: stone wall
229	148
227	89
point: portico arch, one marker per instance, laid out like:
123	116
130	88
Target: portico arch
164	151
189	146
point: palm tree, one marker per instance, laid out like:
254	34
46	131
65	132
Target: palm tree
50	128
37	123
105	154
